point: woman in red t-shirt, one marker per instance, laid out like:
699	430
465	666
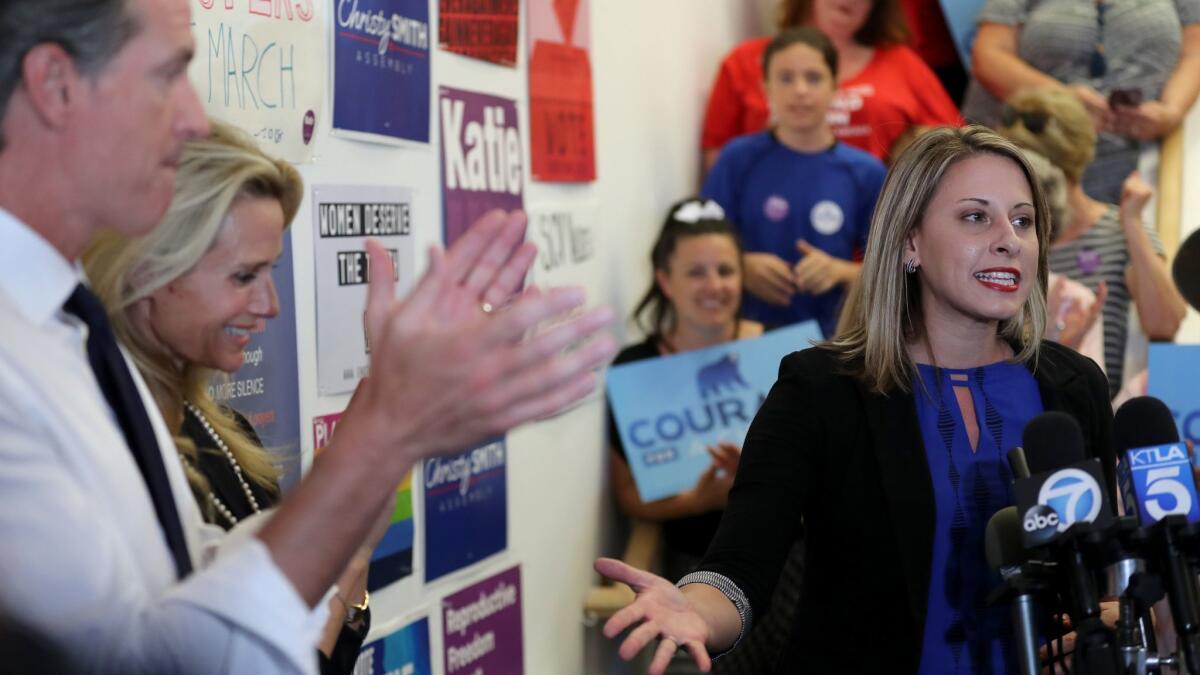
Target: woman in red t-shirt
883	86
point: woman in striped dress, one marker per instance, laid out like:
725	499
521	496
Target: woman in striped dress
1102	242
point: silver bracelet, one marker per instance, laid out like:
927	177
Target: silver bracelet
731	591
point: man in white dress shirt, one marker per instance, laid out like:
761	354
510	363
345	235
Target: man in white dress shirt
95	107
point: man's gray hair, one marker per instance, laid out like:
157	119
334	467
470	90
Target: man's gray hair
91	31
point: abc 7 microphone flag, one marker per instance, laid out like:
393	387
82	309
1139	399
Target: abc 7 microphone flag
1054	501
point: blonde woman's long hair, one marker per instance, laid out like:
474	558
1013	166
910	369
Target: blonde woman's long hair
214	173
882	315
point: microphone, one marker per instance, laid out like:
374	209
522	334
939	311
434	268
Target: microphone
1063	488
1156	469
1186	270
1005	554
1016	462
1061	503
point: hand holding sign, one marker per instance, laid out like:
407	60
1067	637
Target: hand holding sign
444	373
711	492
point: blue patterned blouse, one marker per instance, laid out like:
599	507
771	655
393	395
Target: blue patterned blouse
962	634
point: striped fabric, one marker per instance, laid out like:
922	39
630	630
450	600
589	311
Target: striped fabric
1141	39
1099	255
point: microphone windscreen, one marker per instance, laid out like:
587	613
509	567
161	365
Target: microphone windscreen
1052	440
1186	270
1002	539
1144	422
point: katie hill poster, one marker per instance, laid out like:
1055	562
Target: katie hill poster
260	65
266	389
381	68
561	138
345	216
482	166
480	29
466	508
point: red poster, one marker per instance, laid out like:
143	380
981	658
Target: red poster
481	29
561	138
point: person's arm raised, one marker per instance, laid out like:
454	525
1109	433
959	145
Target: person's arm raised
445	374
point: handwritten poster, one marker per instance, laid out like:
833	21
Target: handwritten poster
466	508
481	627
561	138
480	29
565	235
381	68
392	559
482	168
260	65
345	216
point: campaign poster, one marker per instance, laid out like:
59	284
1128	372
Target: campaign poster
565	235
480	29
381	59
561	136
1172	379
266	389
482	168
481	627
392	559
402	652
260	65
670	409
466	508
345	216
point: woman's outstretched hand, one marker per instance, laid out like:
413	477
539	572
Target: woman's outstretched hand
660	612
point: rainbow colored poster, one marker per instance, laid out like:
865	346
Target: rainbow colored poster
393	557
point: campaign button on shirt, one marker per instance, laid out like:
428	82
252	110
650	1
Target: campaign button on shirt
1089	261
827	217
775	208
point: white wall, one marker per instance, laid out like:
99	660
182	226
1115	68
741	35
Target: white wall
652	65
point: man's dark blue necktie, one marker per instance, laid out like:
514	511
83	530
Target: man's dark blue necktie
112	373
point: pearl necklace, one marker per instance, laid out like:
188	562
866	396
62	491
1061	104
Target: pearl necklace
217	504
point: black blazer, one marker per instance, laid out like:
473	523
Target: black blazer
851	464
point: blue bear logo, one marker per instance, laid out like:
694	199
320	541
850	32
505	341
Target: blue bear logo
720	374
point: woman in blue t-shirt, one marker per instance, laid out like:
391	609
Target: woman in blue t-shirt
801	200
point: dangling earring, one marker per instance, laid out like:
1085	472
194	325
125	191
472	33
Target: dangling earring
910	266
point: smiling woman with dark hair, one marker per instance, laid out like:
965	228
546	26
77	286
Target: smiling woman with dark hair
694	302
